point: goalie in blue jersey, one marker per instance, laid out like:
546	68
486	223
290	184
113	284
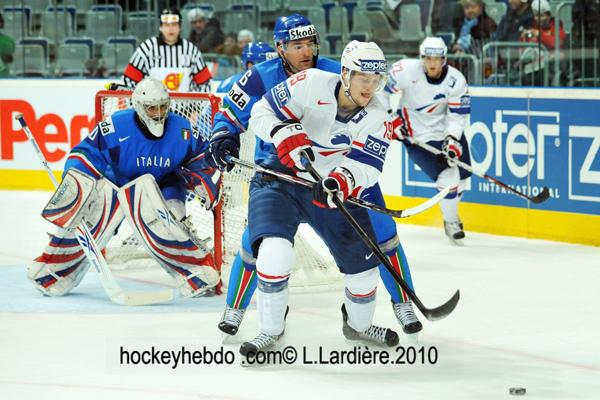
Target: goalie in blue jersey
137	164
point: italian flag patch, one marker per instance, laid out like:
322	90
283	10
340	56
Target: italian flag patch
185	134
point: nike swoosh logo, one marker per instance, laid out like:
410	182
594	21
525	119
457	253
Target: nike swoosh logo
321	103
122	139
369	256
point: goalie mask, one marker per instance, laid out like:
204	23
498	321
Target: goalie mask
151	103
365	63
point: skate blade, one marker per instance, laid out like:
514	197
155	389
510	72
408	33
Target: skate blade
457	242
228	339
411	339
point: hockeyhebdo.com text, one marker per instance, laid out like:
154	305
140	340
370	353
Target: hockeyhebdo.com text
288	355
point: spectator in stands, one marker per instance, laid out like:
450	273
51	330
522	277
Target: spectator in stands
176	62
543	28
586	29
7	48
518	18
230	47
244	37
206	31
475	30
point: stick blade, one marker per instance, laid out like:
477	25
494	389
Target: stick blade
542	196
141	298
423	206
434	314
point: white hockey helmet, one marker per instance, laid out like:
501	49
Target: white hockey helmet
365	57
433	47
151	103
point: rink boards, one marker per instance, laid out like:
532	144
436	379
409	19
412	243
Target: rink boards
528	138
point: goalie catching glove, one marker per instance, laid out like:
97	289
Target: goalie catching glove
339	182
290	139
452	150
203	180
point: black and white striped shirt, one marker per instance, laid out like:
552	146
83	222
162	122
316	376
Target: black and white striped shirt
179	66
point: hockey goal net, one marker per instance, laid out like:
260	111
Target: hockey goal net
223	227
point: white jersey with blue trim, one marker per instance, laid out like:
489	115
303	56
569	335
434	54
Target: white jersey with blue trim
358	143
430	109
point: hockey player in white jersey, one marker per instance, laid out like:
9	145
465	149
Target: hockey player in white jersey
136	164
435	108
344	129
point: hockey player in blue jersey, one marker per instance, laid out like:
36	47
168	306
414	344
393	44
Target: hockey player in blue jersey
253	53
297	45
135	164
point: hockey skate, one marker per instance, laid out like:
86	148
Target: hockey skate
374	335
261	342
406	316
232	319
455	232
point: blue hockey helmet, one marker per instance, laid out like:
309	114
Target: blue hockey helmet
256	53
294	27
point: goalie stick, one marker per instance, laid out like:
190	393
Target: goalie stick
539	198
432	314
115	292
356	201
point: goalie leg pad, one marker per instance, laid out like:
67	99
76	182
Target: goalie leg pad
167	240
62	265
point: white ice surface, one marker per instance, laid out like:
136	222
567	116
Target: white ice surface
528	317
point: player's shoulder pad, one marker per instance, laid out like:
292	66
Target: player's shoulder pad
455	74
327	64
120	120
250	84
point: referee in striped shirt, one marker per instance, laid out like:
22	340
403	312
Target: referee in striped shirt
169	58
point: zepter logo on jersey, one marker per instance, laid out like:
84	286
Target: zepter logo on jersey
373	66
302	32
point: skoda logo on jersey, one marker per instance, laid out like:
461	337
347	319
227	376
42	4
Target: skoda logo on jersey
373	66
302	32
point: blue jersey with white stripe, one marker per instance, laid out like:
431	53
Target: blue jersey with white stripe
250	88
121	149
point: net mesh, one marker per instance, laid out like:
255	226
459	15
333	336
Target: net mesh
222	228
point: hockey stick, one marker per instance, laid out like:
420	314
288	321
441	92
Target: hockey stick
92	252
539	198
432	314
356	201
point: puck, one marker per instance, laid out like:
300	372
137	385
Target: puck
517	391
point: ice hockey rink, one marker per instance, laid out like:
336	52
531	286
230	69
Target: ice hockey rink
527	318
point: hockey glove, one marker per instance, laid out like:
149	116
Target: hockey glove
339	182
290	138
204	181
452	150
399	130
222	143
